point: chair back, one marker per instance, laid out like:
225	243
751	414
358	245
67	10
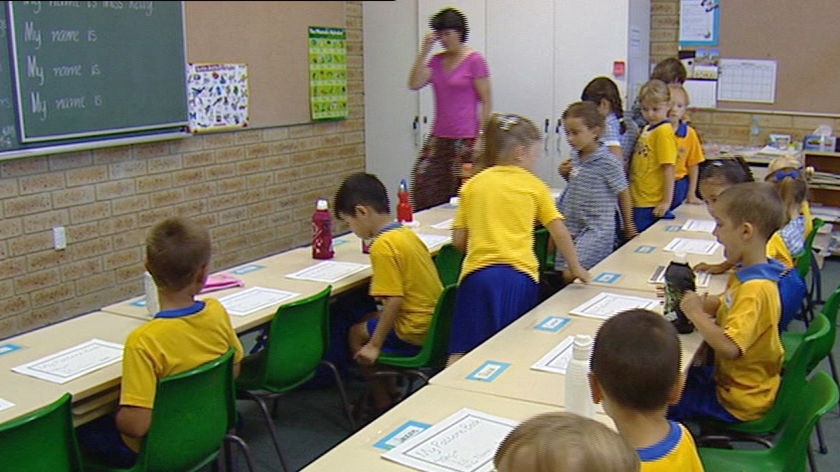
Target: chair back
825	344
448	264
819	396
298	339
42	440
805	259
545	261
193	412
435	350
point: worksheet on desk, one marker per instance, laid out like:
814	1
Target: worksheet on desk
433	240
445	224
463	442
328	271
705	247
557	360
5	404
73	362
605	304
705	226
254	299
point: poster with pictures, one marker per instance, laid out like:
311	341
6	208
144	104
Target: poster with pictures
217	96
327	73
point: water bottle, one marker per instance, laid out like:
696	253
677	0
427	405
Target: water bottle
578	398
755	132
404	212
679	278
150	288
322	246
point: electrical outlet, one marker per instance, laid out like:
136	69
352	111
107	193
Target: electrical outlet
59	238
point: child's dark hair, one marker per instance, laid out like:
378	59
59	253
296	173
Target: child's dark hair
757	203
588	112
503	133
451	18
731	171
670	70
603	88
361	189
636	359
176	249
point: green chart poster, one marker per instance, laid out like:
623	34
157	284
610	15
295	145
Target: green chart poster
327	73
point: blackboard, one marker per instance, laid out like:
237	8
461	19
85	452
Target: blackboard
75	73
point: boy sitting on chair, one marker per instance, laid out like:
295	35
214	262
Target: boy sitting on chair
184	334
404	279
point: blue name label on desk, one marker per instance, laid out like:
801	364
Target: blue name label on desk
645	249
673	228
488	371
141	303
339	242
607	277
7	348
247	268
401	435
553	324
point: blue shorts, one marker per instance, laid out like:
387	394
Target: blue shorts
101	440
643	217
393	344
488	300
680	192
699	399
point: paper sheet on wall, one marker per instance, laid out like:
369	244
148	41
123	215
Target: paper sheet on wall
217	96
254	299
606	304
705	247
747	80
699	22
328	271
703	93
463	442
74	362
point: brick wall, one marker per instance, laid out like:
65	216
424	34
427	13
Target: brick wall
726	127
255	190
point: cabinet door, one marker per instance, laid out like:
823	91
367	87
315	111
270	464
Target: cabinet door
390	39
475	13
520	36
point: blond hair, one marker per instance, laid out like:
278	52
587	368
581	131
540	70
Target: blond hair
504	134
791	181
679	89
565	442
653	92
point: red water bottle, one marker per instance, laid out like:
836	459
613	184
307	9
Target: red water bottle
404	213
322	247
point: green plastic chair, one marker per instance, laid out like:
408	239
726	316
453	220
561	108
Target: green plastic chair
448	264
788	398
790	453
298	339
41	440
806	264
193	415
545	258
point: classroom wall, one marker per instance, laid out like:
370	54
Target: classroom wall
725	127
254	189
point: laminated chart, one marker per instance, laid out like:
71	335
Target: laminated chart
217	96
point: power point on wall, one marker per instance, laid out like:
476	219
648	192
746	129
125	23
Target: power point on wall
59	238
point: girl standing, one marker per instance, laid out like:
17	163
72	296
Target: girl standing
461	84
620	134
494	225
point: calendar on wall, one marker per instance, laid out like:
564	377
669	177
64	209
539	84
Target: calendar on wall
747	80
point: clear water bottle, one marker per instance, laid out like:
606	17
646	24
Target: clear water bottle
578	397
679	278
150	289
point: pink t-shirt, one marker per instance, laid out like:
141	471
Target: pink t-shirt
456	99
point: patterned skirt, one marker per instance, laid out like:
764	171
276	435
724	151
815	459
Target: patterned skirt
436	175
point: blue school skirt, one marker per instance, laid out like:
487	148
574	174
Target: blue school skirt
488	300
680	192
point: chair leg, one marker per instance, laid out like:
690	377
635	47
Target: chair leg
246	451
342	392
812	464
269	420
820	440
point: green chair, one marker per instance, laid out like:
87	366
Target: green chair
41	440
806	265
192	418
790	453
298	339
545	258
788	398
448	264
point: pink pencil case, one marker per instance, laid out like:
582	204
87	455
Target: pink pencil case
217	282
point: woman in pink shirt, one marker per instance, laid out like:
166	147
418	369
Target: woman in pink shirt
461	84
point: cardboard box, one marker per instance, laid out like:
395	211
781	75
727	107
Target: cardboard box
813	142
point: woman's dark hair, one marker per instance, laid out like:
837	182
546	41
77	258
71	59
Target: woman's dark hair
603	88
450	18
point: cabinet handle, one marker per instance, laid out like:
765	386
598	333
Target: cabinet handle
557	132
545	135
415	130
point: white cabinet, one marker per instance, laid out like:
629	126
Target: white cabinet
541	54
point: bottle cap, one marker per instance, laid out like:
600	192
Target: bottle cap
681	258
322	205
583	340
